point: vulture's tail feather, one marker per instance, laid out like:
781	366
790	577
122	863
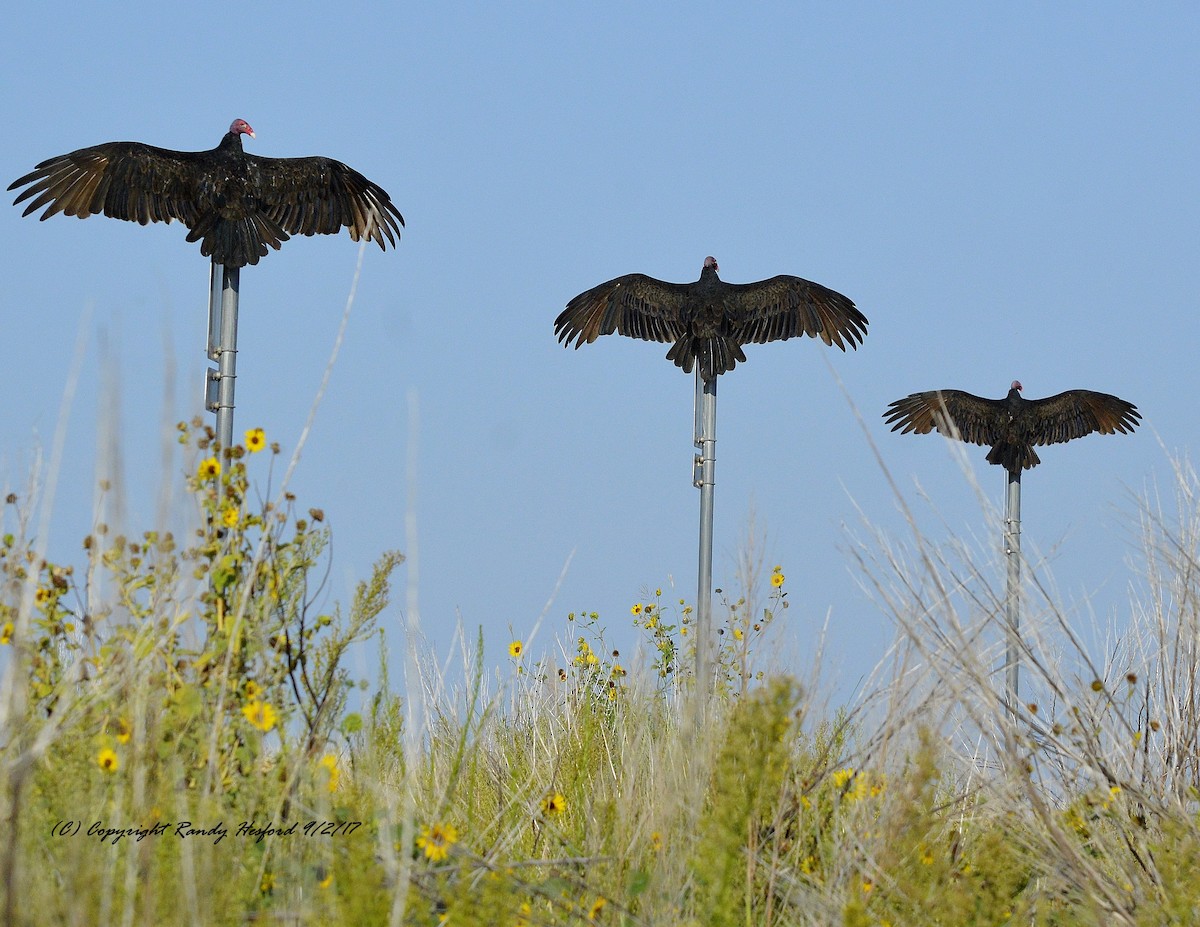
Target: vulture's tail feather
716	355
237	242
1013	457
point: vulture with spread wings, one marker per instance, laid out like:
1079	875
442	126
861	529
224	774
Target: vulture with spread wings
1014	424
235	204
708	321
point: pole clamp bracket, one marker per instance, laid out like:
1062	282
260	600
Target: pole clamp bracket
212	386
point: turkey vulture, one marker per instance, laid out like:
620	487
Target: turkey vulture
235	204
710	320
1014	424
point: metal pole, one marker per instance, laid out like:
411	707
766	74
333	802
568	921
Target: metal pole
214	310
704	478
222	347
1012	599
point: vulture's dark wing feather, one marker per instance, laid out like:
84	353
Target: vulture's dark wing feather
122	180
786	307
633	305
321	196
1079	412
952	412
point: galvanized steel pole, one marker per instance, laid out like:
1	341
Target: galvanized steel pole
1012	598
704	478
224	284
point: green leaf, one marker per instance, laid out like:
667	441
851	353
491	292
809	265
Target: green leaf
188	703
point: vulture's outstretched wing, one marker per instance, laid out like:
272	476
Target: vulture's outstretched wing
976	420
122	180
785	307
1079	412
321	196
633	305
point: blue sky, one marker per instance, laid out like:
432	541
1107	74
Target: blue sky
1004	192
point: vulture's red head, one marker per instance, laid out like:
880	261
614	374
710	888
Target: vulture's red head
241	127
1016	384
711	261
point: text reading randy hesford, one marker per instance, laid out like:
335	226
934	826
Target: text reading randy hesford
216	832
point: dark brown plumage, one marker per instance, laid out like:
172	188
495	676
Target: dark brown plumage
708	321
235	204
1012	425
